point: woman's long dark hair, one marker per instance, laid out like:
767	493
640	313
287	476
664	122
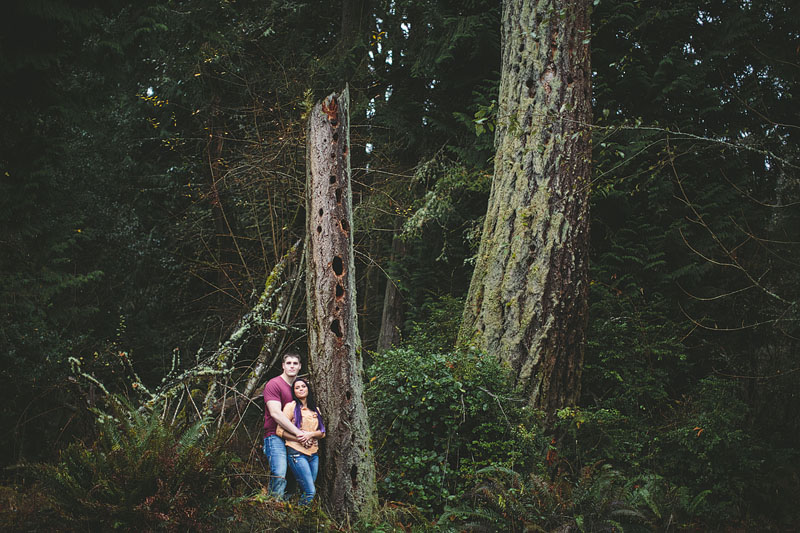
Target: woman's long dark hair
311	402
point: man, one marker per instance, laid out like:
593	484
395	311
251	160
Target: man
277	393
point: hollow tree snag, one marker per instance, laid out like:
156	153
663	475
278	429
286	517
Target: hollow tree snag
347	480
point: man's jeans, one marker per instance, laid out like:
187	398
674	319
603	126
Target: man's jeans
275	450
304	467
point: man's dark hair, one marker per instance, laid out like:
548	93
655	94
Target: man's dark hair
292	354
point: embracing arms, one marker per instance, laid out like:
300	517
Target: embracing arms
288	412
285	427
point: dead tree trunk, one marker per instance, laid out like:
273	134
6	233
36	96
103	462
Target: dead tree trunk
347	482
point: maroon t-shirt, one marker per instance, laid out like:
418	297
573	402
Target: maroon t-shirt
276	389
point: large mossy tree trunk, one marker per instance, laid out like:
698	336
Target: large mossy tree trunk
347	481
527	302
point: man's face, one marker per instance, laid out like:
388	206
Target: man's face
291	367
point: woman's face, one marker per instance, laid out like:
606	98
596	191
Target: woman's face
300	389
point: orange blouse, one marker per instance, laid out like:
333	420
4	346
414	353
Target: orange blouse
310	423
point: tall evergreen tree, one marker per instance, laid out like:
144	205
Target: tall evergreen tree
527	300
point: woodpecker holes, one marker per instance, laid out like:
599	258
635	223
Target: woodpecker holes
330	179
336	328
338	266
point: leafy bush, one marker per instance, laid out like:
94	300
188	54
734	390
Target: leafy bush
140	474
438	418
505	500
715	445
434	328
701	460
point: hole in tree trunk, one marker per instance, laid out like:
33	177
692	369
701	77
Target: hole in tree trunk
345	225
348	394
339	290
336	136
319	229
338	265
339	195
333	180
336	328
353	474
320	212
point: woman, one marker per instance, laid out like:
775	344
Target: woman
303	459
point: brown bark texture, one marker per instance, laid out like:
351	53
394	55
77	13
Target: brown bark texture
347	481
527	301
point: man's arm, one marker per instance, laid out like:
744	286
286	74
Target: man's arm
274	408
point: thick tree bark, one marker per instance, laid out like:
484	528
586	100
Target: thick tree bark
347	482
527	302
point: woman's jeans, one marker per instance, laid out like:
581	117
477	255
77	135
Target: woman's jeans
304	467
275	450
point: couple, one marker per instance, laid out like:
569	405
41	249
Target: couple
291	414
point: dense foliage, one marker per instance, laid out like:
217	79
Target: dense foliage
140	474
439	418
151	176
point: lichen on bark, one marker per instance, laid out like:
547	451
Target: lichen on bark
527	299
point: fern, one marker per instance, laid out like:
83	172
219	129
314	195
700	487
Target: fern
140	474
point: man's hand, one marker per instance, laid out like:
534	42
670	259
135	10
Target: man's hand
302	436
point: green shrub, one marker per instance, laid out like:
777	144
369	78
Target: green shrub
434	328
438	418
600	499
702	460
715	445
140	474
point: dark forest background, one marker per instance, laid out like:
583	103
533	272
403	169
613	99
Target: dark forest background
152	174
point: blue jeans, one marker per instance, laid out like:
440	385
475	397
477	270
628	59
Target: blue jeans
304	467
275	450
